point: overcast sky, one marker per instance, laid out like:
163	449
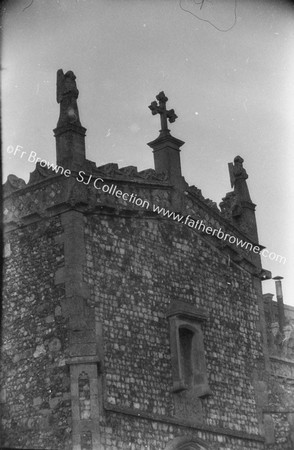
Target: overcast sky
227	68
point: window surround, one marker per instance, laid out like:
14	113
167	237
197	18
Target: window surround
185	331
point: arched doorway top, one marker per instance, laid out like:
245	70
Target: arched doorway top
186	443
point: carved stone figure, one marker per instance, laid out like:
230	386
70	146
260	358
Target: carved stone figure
67	94
288	341
238	176
13	183
40	173
282	344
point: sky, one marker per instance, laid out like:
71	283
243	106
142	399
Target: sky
226	66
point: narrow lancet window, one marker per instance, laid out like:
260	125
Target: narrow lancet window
186	340
84	396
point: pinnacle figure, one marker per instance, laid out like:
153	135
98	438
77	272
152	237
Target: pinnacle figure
66	95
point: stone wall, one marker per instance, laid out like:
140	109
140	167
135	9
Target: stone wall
281	404
135	269
35	388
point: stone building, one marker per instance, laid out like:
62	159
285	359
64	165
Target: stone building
280	331
133	315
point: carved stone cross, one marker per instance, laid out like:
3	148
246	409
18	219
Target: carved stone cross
160	108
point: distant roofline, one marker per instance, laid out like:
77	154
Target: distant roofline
288	307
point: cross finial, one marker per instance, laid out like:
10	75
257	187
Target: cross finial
160	108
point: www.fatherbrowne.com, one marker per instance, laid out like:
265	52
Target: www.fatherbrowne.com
199	225
134	199
187	220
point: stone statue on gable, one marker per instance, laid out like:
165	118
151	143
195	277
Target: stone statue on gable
67	94
238	176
